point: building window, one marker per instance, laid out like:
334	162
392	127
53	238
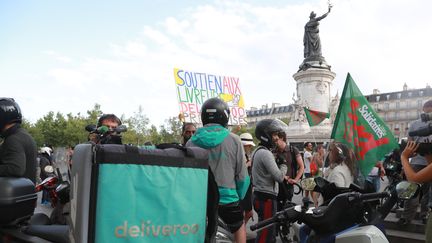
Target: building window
419	103
399	95
377	98
397	105
376	107
388	97
409	94
396	115
386	106
421	93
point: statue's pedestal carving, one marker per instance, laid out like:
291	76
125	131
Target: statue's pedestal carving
313	91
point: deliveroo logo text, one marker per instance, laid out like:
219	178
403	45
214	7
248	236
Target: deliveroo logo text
147	229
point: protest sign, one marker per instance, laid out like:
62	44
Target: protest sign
194	88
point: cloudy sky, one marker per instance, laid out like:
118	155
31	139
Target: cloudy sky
68	55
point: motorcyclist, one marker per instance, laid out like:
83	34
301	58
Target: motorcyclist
226	160
105	132
18	151
266	174
44	158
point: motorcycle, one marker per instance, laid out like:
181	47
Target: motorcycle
58	191
18	222
223	234
348	217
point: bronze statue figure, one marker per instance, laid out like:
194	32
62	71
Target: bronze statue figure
311	39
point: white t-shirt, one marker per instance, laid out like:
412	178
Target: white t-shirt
307	158
340	175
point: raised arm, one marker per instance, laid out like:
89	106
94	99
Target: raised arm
324	15
421	176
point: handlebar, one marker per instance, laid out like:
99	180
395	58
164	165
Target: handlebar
373	196
263	223
291	214
288	214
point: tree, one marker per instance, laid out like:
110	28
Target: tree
75	129
154	136
172	131
138	123
94	114
34	131
52	127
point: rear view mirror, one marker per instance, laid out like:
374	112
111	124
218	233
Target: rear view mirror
406	190
90	128
121	128
308	184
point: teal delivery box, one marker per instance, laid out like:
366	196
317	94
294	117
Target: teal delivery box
128	194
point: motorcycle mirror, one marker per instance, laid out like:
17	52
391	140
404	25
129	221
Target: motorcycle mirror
90	128
308	184
121	128
406	190
321	182
49	169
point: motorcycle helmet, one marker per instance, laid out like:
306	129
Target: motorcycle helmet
10	112
45	150
265	128
215	110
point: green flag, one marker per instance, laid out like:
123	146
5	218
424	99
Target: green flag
358	126
315	117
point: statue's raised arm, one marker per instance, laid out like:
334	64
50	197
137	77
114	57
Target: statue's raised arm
324	15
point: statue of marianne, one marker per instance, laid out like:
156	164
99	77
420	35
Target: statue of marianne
311	39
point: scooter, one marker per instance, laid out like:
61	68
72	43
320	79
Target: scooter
223	234
58	191
347	218
17	203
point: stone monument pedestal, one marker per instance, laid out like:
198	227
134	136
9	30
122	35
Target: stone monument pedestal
313	91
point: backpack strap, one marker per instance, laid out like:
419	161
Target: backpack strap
294	161
256	150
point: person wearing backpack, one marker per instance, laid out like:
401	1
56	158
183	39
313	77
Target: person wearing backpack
266	175
227	161
291	157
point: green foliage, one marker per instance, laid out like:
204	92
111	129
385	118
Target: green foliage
57	129
250	130
286	120
137	127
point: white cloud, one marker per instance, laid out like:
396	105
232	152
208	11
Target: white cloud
382	43
57	56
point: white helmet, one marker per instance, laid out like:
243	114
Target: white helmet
46	150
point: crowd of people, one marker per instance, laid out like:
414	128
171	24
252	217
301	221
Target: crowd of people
249	176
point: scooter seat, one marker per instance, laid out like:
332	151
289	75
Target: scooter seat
39	219
54	233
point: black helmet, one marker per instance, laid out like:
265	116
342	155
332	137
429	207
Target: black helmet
9	112
215	110
265	128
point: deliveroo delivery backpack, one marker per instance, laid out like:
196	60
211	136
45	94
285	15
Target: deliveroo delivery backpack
122	193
